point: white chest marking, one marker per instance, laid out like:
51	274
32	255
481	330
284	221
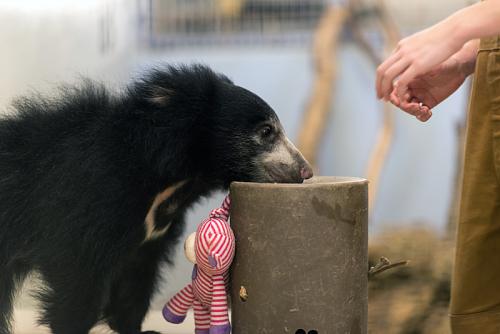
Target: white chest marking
151	233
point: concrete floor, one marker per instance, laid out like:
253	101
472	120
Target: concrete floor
24	323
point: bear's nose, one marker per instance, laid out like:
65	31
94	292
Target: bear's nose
306	172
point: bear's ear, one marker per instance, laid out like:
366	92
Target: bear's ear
160	95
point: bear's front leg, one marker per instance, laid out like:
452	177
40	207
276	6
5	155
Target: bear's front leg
132	290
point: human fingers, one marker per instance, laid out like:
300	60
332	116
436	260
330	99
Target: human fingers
396	100
425	114
401	84
412	108
394	57
387	78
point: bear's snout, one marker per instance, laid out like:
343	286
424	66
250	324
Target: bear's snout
285	164
306	172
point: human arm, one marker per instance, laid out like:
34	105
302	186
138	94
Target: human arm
420	53
428	90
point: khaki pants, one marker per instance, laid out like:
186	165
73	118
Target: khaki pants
475	300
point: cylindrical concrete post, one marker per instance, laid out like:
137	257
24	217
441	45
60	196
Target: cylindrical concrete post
301	257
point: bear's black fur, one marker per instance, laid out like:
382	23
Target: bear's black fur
79	172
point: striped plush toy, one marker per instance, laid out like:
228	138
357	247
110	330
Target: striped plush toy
211	248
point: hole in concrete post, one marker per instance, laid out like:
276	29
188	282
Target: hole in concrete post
300	331
313	332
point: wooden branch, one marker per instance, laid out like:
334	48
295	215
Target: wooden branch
364	44
389	26
324	49
383	265
384	139
380	153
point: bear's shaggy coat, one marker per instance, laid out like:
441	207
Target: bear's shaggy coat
94	186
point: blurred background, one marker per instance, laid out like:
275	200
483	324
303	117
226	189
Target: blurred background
314	62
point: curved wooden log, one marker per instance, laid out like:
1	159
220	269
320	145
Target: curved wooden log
325	65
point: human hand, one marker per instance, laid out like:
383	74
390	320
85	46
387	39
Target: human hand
415	56
428	90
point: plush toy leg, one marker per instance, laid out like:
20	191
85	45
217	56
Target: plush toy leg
176	309
219	319
201	318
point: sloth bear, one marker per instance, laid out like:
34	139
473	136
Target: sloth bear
94	186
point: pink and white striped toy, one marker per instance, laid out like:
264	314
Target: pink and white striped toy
214	252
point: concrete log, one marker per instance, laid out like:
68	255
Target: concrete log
301	257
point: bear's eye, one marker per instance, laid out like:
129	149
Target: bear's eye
266	131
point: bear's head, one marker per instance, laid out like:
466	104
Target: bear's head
230	133
258	148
